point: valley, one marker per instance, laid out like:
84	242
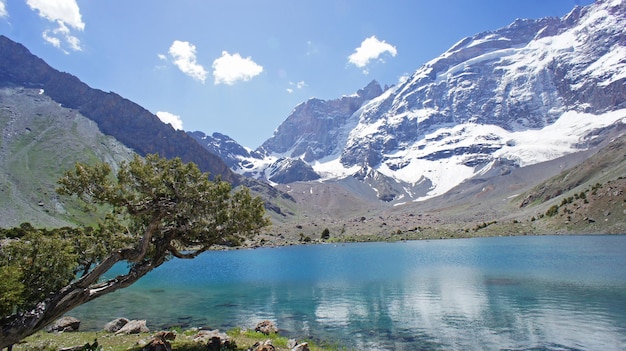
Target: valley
482	140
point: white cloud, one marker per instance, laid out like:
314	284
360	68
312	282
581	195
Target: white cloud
61	35
170	118
184	55
3	10
298	85
371	49
229	69
56	42
66	11
66	14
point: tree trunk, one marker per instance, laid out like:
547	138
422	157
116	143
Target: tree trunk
17	327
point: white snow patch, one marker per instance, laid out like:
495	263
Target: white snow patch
330	168
556	140
611	67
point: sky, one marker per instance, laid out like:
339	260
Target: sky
239	67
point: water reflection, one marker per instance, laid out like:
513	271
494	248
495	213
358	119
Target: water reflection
448	295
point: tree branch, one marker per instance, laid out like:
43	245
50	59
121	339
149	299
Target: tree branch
176	253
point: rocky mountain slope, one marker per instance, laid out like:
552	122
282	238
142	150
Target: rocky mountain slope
50	119
39	141
128	122
528	93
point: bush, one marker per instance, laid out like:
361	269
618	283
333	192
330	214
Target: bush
325	234
552	211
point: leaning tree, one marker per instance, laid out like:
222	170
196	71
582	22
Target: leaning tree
153	209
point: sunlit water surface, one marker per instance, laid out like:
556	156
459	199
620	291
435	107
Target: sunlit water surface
511	293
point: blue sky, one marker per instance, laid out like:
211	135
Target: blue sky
239	67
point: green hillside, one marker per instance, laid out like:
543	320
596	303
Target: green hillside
39	141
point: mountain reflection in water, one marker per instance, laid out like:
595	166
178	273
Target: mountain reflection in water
515	293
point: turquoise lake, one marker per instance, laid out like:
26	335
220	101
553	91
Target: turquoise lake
506	293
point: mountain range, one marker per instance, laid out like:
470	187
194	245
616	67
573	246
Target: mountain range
479	134
527	93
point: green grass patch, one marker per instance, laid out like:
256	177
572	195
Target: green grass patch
244	339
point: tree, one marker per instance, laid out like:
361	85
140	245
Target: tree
153	209
325	234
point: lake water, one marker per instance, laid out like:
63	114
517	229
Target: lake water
509	293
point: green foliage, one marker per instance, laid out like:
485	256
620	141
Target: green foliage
325	234
173	202
11	289
552	211
155	209
566	201
35	266
594	188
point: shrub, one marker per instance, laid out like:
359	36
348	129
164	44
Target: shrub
552	211
325	234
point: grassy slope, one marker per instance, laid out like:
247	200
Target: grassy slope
44	341
40	140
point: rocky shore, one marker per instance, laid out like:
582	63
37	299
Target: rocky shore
205	339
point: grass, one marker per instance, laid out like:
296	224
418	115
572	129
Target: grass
244	339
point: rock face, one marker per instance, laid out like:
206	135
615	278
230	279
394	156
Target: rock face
313	130
226	148
289	170
128	122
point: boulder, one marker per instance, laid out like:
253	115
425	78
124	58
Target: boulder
158	345
115	325
263	346
160	342
301	347
64	324
215	340
134	327
266	327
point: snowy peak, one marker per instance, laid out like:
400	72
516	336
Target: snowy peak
519	77
312	130
512	97
231	152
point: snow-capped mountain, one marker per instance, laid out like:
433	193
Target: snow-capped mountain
530	92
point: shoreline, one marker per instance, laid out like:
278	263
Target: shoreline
184	340
400	238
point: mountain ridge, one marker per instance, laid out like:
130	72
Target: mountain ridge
492	101
130	123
